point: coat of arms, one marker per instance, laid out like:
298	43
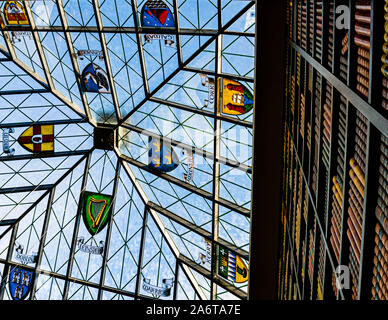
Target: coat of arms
157	292
15	14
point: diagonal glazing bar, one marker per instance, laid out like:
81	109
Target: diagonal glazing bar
39	47
219	74
198	230
11	52
202	112
26	189
53	122
131	30
69	171
45	155
170	242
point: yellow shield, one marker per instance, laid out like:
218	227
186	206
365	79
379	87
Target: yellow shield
241	271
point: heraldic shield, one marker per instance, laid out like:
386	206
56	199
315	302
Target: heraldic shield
96	209
20	283
156	14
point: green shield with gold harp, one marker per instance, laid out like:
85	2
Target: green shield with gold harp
95	211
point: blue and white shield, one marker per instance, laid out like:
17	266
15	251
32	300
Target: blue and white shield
161	155
156	14
95	79
20	283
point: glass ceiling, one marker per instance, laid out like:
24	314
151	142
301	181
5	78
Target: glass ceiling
125	166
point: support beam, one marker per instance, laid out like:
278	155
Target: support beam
7	222
70	279
42	123
217	281
39	47
197	229
131	30
73	244
43	238
177	35
216	165
109	232
141	252
140	49
219	73
15	92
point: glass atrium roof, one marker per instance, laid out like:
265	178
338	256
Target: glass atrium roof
126	148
